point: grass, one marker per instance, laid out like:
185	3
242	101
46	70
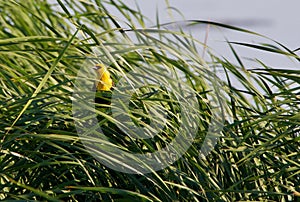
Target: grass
43	47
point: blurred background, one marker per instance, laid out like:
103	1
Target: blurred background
275	19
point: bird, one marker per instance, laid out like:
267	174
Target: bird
103	86
104	81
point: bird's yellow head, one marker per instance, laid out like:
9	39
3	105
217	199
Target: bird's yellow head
104	82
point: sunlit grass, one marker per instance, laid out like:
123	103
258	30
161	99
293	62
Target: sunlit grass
43	158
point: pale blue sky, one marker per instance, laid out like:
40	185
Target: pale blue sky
277	19
280	19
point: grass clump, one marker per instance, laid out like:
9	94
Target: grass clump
43	46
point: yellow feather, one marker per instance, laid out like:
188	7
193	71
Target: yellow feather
104	82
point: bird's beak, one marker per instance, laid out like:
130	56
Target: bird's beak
96	67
